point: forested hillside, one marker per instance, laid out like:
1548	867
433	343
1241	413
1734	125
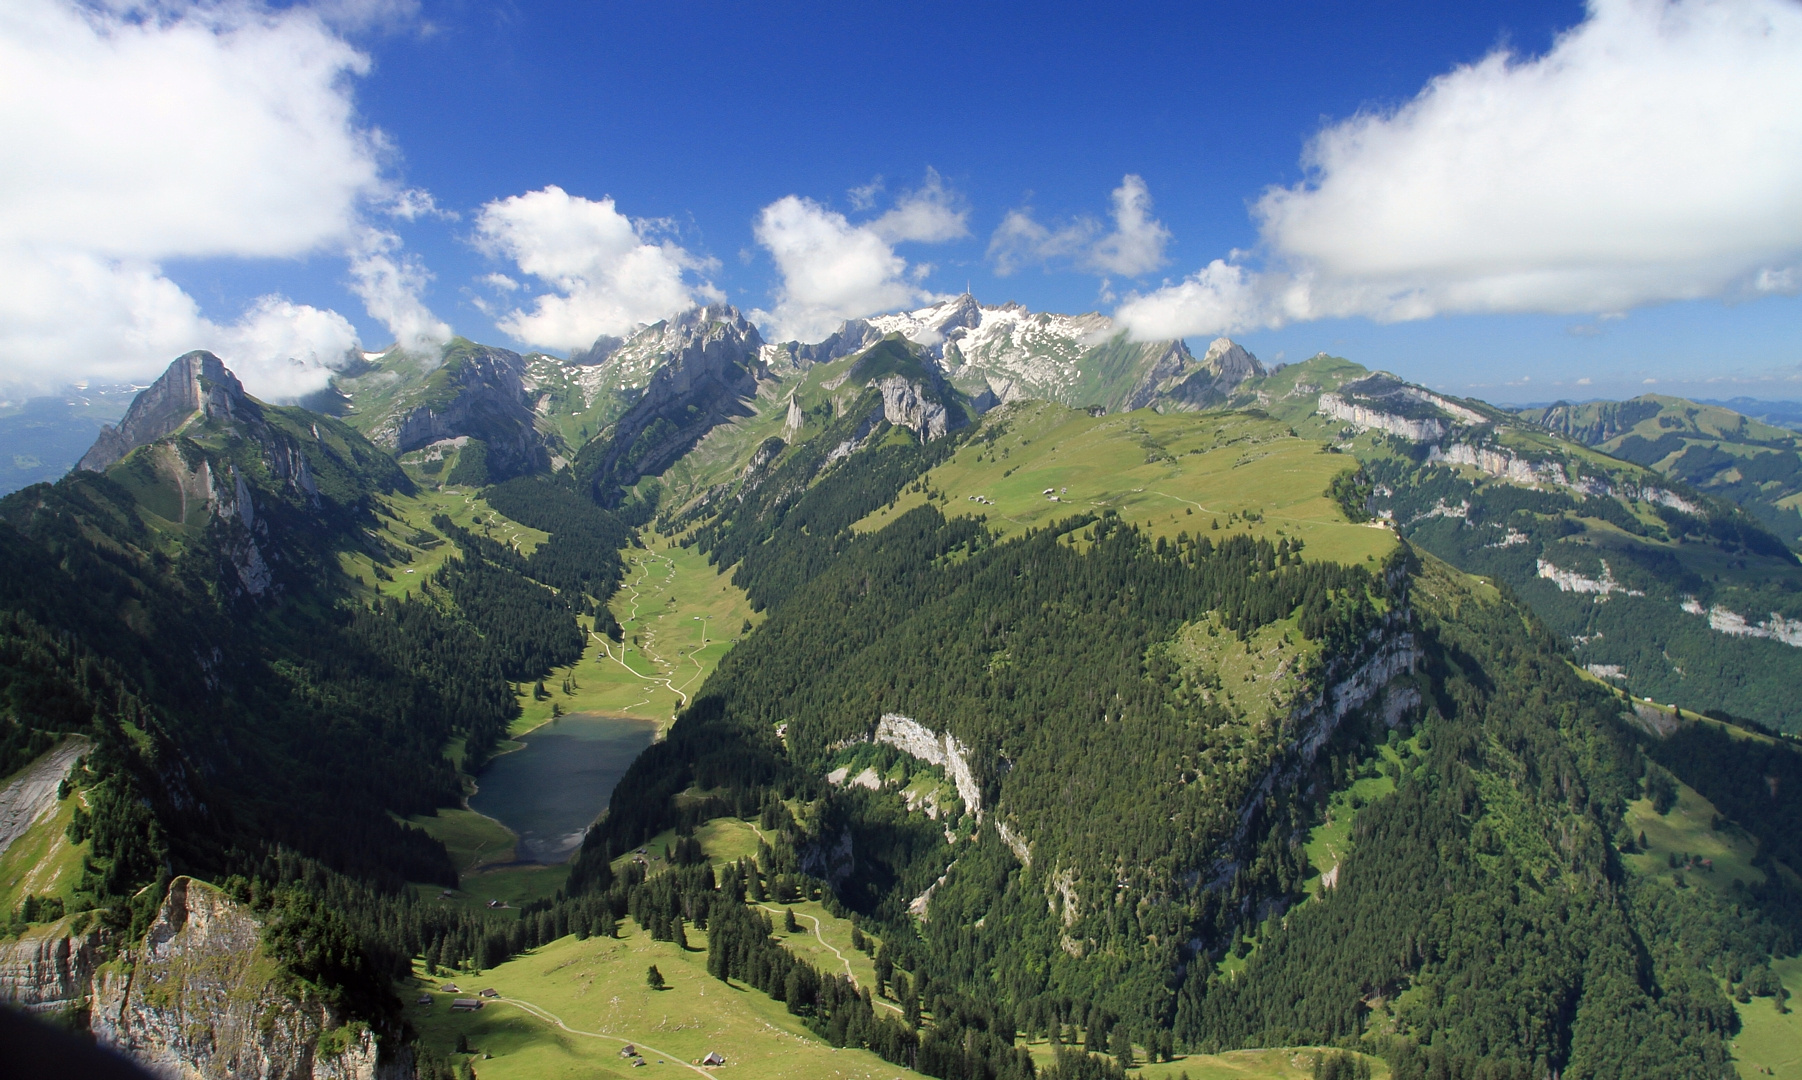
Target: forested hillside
1104	867
1712	448
256	716
1125	736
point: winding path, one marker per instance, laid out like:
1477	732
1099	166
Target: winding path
647	649
550	1017
849	974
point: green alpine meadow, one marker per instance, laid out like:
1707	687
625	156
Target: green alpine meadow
702	704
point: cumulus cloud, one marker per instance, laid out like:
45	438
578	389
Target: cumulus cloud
930	214
159	131
391	284
833	270
608	272
1132	248
1653	154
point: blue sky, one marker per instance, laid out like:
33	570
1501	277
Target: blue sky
1005	131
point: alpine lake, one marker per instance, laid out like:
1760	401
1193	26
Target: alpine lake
550	791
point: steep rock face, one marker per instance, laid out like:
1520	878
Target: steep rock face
478	392
707	370
914	393
1224	368
1367	418
849	339
202	452
200	998
1004	353
195	382
51	973
904	405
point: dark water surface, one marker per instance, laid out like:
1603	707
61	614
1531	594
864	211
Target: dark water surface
552	790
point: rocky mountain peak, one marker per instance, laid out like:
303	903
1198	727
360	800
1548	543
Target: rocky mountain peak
197	382
478	391
1229	361
697	370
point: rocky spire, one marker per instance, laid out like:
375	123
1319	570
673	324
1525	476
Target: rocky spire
195	383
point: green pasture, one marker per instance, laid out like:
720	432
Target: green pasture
679	617
405	531
568	1008
1285	1063
474	840
1181	472
42	862
1769	1043
1688	832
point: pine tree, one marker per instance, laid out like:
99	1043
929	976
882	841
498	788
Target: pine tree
654	978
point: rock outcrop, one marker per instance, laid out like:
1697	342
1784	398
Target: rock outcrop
479	392
706	374
49	972
31	796
944	750
1223	369
199	998
905	405
196	382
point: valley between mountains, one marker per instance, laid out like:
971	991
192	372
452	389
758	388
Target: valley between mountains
1012	700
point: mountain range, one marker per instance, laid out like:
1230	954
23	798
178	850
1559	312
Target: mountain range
1092	705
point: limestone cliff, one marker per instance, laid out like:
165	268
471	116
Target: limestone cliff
195	383
198	998
706	373
478	392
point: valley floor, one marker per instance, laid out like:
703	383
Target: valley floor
679	618
570	1007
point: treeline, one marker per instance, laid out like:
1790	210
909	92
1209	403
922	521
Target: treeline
965	1040
531	628
811	499
1488	885
581	558
1503	531
1757	783
1037	654
272	741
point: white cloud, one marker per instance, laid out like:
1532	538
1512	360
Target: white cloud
1020	241
932	214
833	270
609	273
158	131
280	350
1653	154
1134	247
411	204
391	283
863	196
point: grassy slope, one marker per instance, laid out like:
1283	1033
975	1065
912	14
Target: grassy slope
598	987
1687	830
1287	1063
670	599
680	617
1769	1043
1178	472
42	862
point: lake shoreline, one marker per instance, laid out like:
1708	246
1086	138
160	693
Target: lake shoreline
557	781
